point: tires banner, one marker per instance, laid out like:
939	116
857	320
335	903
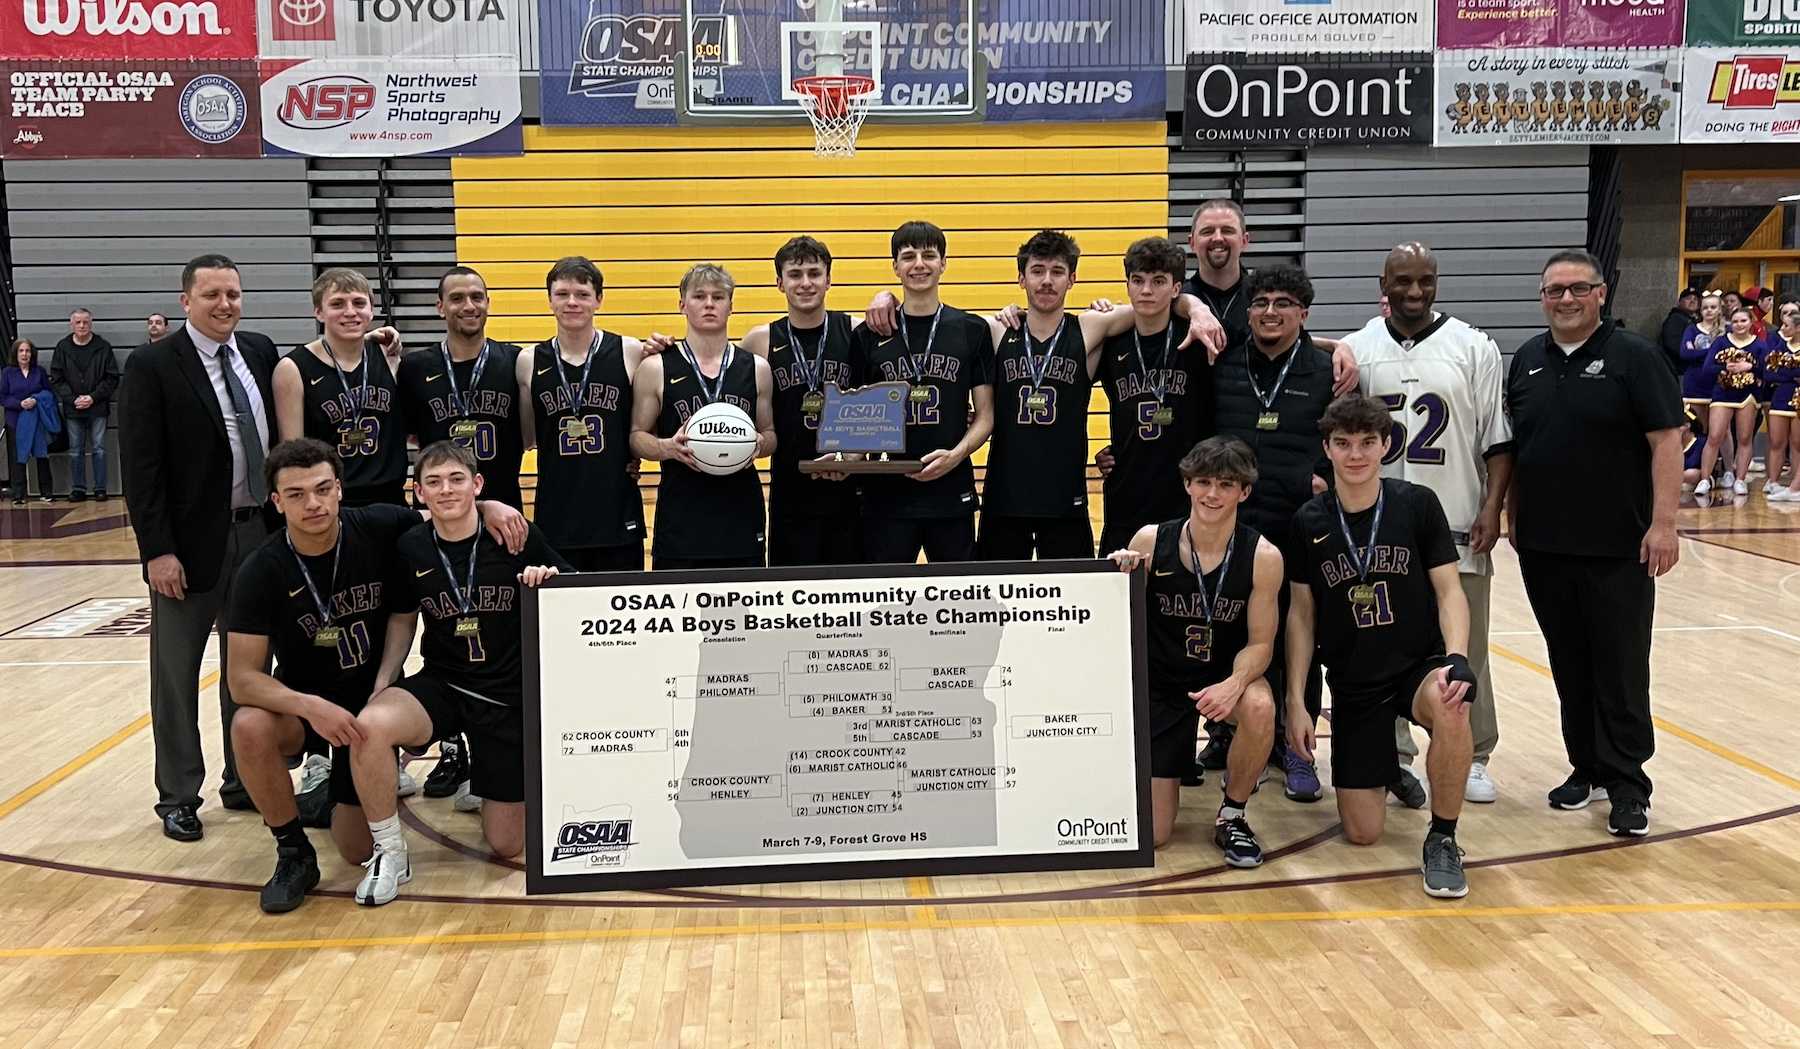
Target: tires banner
1746	94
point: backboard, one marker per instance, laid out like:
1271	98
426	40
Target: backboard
740	58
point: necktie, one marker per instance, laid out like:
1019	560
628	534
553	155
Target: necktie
247	431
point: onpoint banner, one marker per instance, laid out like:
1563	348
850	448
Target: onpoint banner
1741	94
133	109
1557	95
326	107
1236	100
140	30
1320	26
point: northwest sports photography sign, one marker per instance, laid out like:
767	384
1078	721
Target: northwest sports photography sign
383	78
1363	26
1558	95
129	109
613	62
1743	94
684	728
1559	23
1237	100
1743	22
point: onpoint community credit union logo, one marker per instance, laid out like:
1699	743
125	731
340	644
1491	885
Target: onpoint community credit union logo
602	842
326	102
213	108
1755	82
304	20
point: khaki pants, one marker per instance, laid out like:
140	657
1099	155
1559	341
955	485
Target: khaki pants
1484	723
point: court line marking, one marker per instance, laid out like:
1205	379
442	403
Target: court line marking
1716	749
552	936
84	662
85	758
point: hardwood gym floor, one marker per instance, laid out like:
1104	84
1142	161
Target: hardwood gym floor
111	935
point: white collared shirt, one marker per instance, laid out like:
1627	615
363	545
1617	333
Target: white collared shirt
209	359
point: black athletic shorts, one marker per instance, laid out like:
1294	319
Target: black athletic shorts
1018	538
1174	736
495	732
628	557
342	790
703	564
899	540
1363	756
814	541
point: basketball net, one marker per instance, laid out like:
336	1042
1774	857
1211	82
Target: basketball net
836	105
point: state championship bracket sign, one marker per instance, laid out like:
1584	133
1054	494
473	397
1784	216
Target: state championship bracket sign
1238	100
762	725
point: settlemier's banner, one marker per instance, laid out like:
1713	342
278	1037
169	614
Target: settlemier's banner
1557	95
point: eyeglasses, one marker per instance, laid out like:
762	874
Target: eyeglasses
1581	290
1262	305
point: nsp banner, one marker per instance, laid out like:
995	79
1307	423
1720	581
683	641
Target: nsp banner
686	728
1363	26
1557	95
1559	23
1237	100
613	62
129	109
347	107
1745	94
1743	22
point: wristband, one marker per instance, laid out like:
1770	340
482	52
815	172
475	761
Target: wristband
1460	670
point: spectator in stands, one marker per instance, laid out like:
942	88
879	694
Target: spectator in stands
1686	311
84	373
21	385
155	327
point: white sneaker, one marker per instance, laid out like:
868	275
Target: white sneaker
1480	788
1703	488
1786	495
404	784
1740	488
1729	480
383	875
315	771
463	801
1770	487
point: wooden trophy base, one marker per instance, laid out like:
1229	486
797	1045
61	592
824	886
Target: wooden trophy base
862	466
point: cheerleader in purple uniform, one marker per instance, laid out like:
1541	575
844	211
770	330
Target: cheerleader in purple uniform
1734	366
1781	369
1696	382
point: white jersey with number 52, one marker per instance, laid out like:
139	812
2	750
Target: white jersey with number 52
1446	389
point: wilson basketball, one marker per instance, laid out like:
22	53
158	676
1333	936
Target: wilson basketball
722	438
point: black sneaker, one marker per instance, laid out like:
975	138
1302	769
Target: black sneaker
1630	818
296	872
78	496
1235	838
1575	793
315	805
1408	789
1217	750
101	496
452	769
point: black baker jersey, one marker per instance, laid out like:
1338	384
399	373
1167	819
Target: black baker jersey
699	515
1145	483
487	662
585	495
800	367
1037	465
271	600
960	358
1185	655
1366	647
434	401
358	412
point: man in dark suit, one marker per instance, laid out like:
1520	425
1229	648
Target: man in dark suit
193	442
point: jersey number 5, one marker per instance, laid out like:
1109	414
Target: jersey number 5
1422	450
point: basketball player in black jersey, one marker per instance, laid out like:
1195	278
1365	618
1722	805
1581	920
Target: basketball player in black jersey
812	518
1373	573
1213	592
317	597
578	384
341	390
469	589
703	521
464	389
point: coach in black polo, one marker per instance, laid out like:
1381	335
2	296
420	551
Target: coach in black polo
1597	421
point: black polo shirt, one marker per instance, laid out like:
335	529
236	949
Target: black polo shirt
1581	467
1230	305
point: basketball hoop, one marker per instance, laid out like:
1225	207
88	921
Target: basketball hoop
836	105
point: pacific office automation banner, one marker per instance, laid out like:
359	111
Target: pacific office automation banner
129	109
1741	94
1238	100
1576	95
1559	23
612	62
1321	25
342	107
390	78
1743	22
